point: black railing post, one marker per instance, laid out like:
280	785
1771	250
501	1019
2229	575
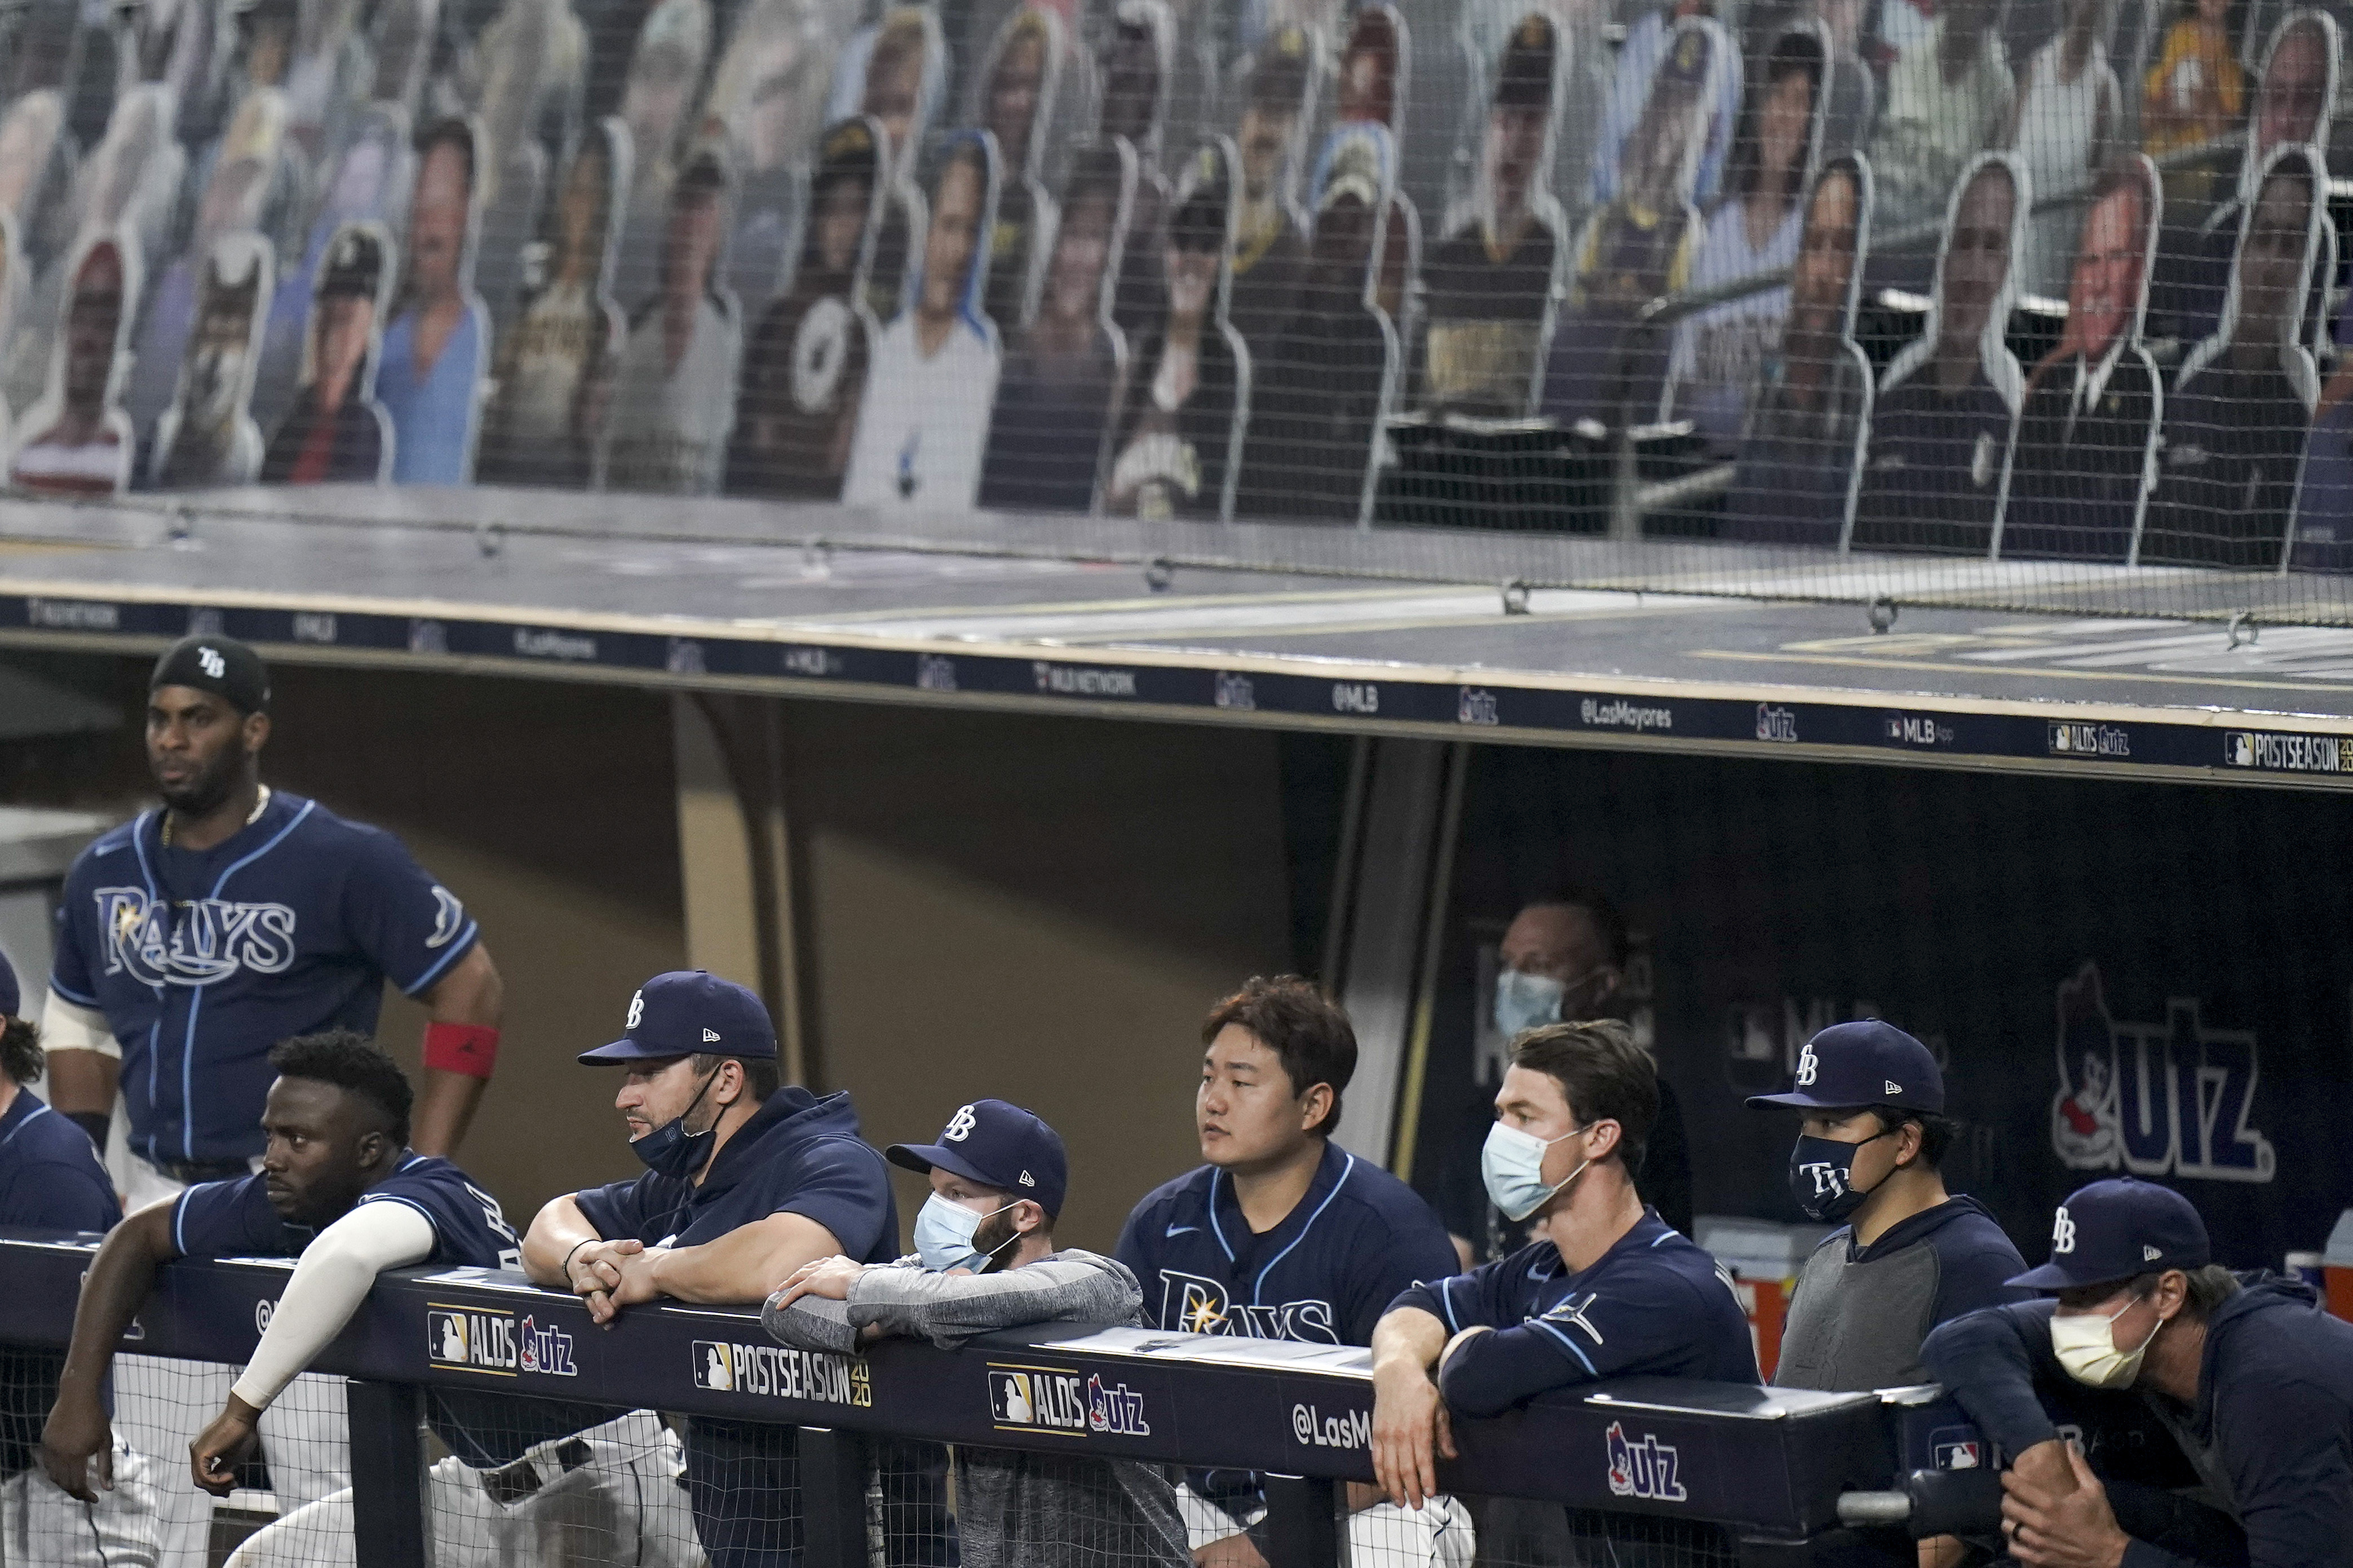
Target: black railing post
1302	1522
833	1499
387	1474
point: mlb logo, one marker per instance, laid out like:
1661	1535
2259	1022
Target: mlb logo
445	1337
714	1368
1009	1399
1966	1456
2242	749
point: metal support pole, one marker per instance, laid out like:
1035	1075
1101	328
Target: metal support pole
833	1499
387	1474
1302	1522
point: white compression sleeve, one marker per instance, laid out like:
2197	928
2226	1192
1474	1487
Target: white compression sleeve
329	1284
68	1026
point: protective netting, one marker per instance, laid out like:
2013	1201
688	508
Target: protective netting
1517	1533
2047	283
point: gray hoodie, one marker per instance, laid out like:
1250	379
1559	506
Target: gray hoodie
1015	1509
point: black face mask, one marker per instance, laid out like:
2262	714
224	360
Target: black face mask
1822	1174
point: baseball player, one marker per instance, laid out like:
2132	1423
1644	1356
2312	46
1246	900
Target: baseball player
192	940
340	1190
1283	1234
746	1181
51	1179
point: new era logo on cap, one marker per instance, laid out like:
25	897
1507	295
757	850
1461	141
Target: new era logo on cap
710	1037
1894	1088
1027	1180
2149	1254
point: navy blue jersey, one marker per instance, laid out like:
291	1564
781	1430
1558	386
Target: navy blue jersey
50	1176
799	1154
1325	1274
203	960
234	1219
1655	1304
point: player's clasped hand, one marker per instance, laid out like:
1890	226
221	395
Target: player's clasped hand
2048	1528
78	1441
597	1271
224	1446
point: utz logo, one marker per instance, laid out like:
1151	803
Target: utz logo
1236	692
1476	706
1114	1411
1645	1468
2155	1099
1775	723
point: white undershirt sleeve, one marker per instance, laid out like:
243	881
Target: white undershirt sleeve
69	1027
330	1281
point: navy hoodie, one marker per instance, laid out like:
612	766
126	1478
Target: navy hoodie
2272	1433
1859	1312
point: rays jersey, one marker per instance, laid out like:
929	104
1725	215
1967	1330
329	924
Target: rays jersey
1325	1274
201	961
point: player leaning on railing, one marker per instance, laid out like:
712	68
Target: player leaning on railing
51	1179
986	1259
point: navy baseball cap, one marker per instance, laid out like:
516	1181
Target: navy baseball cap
998	1145
1866	1062
11	998
2116	1229
687	1010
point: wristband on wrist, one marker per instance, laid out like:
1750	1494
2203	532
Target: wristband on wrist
469	1048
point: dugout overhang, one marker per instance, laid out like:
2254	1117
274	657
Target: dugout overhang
819	601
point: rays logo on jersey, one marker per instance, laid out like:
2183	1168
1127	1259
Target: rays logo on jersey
1645	1468
1195	1304
496	1344
193	943
449	917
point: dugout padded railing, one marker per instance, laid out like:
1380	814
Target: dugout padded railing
1770	1465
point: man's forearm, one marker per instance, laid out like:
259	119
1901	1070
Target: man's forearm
1407	1337
444	1109
558	1229
470	993
746	1264
82	1083
119	1277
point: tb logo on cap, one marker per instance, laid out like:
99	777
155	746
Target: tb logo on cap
1806	1067
2063	1233
637	1011
960	1125
213	663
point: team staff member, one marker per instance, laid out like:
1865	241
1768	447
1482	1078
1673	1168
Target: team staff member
986	1259
194	937
1908	1255
51	1179
1283	1233
1607	1290
339	1187
2253	1381
746	1181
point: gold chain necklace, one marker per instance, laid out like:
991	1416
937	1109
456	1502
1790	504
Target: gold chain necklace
165	835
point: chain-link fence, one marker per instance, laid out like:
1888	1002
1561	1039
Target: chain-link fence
2034	303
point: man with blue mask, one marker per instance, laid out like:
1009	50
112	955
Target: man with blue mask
746	1181
2253	1382
1563	958
1908	1255
986	1259
1605	1290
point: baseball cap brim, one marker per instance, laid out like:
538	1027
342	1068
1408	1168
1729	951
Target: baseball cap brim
922	1158
2051	1277
1801	1100
623	1050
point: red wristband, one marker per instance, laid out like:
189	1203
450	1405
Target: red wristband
469	1048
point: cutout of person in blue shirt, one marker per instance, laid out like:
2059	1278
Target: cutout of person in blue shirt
1607	1290
430	380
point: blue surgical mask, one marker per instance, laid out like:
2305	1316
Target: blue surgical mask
670	1150
943	1232
1524	1001
1512	1167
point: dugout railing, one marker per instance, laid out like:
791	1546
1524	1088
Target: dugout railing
1689	1472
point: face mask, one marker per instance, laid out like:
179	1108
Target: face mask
1524	1001
2086	1348
1821	1178
670	1150
943	1232
1513	1166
